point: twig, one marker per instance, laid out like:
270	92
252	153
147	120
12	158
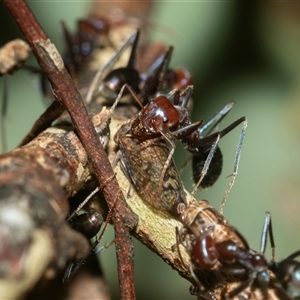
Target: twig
44	121
64	89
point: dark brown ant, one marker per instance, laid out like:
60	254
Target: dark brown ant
167	117
149	125
89	224
214	245
81	44
157	78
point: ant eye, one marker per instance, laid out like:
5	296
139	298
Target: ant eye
165	120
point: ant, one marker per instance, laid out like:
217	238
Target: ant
158	77
80	46
89	224
214	245
166	117
86	39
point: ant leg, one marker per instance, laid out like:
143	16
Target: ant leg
135	97
200	285
212	141
132	58
206	164
118	158
168	160
267	228
216	119
292	256
107	65
236	161
208	138
185	164
152	81
133	94
72	268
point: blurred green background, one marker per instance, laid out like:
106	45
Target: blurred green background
248	52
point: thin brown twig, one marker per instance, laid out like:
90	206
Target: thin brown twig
64	89
44	121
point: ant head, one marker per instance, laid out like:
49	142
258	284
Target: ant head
160	114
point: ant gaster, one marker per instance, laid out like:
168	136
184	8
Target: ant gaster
89	224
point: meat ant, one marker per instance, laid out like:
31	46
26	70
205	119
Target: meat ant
216	246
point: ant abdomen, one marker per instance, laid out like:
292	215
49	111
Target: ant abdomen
213	171
111	85
88	223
